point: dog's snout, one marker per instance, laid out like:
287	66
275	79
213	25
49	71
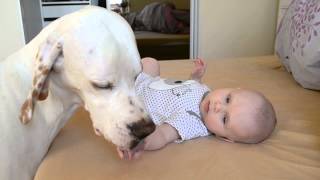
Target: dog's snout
142	128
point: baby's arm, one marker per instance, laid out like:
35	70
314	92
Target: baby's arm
150	66
163	135
198	70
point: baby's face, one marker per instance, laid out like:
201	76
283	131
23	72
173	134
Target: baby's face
229	113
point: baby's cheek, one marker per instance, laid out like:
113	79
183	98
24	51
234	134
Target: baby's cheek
210	122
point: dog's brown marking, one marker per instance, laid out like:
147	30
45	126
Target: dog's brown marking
39	86
59	45
26	111
43	95
35	93
41	67
37	55
45	71
34	81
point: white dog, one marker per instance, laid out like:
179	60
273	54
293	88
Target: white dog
86	58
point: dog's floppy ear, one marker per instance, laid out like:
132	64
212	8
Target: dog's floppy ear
46	56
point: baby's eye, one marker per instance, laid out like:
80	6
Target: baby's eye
224	119
228	99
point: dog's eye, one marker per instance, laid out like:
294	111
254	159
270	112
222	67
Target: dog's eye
108	86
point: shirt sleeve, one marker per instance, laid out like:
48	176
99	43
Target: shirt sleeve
188	127
142	81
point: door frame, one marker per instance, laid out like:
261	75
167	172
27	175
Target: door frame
194	29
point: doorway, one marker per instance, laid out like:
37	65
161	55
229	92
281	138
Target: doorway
164	29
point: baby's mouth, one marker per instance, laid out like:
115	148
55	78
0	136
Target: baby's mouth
206	107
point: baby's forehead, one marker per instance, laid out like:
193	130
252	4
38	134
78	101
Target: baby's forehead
246	109
243	124
243	114
248	96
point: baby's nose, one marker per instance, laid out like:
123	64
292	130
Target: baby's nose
217	107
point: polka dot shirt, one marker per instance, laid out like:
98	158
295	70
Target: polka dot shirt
174	102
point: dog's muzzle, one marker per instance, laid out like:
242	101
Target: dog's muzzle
140	129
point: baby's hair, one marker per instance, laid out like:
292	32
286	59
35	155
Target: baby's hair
265	121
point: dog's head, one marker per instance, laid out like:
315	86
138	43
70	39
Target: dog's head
94	56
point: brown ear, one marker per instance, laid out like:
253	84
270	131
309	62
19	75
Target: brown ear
46	56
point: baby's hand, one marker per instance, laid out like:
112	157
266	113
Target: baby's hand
128	155
198	70
135	153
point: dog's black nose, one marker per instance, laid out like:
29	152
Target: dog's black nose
141	129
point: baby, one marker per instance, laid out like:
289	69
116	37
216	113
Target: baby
184	110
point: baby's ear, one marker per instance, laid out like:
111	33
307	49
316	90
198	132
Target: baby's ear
225	139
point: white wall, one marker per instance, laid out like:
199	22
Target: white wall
236	28
11	28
